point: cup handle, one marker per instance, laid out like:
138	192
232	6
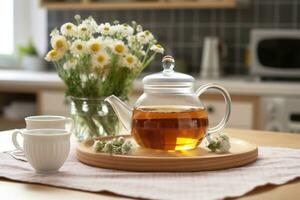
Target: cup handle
70	121
227	99
15	139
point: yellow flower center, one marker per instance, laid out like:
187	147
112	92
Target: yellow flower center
100	58
53	53
130	60
119	48
95	47
59	44
106	28
79	47
68	27
83	29
158	46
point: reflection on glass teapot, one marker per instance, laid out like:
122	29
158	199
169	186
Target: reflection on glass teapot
169	114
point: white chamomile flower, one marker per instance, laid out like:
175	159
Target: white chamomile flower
84	79
107	41
70	64
131	40
93	76
77	17
54	55
68	29
59	43
157	48
141	38
106	29
91	25
149	35
100	60
144	37
54	32
116	28
139	28
78	47
125	30
119	48
87	27
94	46
83	30
129	60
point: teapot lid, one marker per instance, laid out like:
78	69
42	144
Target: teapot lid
168	80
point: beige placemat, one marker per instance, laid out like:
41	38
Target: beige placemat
274	166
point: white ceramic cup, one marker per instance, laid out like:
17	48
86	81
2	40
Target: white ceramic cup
48	122
45	149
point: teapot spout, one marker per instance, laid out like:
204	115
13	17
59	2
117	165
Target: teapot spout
122	110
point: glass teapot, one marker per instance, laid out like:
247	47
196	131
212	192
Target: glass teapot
169	114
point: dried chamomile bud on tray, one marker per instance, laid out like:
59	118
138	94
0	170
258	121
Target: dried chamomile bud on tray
219	143
114	146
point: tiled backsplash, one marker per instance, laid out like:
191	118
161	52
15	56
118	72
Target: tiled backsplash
182	31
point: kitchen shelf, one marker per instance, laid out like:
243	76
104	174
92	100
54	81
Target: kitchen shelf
109	5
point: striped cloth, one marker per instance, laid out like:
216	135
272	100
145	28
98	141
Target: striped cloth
274	166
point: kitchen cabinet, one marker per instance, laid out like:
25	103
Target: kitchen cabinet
10	103
244	110
52	102
46	90
139	4
241	113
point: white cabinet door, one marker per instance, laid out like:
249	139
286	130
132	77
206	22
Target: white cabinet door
241	113
53	103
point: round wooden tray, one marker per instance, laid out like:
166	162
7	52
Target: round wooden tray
148	160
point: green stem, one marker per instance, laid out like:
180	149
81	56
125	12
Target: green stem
88	114
87	118
146	55
150	59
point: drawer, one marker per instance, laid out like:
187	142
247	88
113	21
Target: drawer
241	113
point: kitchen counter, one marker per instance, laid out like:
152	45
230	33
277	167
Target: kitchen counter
17	80
20	80
18	190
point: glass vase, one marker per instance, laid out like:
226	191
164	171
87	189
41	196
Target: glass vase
93	118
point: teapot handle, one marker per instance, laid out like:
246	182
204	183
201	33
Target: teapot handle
226	96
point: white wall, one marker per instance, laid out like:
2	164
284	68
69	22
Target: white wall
39	26
21	22
30	21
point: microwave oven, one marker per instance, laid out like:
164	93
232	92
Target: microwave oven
275	53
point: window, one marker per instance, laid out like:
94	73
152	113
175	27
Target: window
7	27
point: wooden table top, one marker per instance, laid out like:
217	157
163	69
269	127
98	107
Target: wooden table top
17	190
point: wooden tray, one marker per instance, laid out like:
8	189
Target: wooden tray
148	160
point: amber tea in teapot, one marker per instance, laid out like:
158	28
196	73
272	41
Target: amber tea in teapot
169	128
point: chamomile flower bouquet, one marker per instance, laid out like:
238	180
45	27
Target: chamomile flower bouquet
95	61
